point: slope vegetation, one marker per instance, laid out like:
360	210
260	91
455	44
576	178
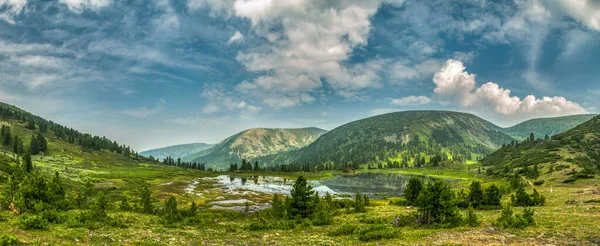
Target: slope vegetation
546	126
257	142
176	151
401	139
576	153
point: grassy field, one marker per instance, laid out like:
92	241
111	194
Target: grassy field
571	215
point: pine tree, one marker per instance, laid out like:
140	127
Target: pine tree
475	194
411	193
124	206
27	164
171	215
301	203
437	204
492	196
277	207
99	207
146	200
359	205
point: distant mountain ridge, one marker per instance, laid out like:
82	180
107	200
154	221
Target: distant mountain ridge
546	126
401	137
256	142
176	151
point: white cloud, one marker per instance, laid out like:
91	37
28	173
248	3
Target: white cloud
236	38
218	99
585	11
402	71
309	40
11	9
455	85
144	112
411	100
79	6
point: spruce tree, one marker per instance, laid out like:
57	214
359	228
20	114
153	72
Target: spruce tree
492	196
146	200
359	205
301	203
411	193
27	163
437	204
475	194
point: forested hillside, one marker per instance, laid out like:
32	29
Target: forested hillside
176	151
401	139
254	143
575	152
546	126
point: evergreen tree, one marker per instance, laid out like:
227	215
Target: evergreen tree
277	207
171	214
6	135
301	203
27	163
492	196
99	207
411	193
359	205
146	200
437	204
522	198
475	194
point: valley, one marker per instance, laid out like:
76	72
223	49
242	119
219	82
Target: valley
243	206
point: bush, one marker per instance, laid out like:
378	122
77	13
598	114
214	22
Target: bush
6	240
538	182
475	194
525	200
508	219
344	230
472	220
53	216
374	221
377	232
263	224
492	196
33	222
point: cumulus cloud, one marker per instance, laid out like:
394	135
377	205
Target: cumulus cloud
10	8
411	100
457	86
584	11
308	43
79	6
144	112
403	71
236	37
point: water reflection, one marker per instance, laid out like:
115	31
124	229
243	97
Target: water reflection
371	184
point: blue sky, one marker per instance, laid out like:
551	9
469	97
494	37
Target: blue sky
157	73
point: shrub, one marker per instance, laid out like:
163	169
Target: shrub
35	222
525	200
377	232
371	220
472	220
263	224
6	240
508	219
345	229
124	206
170	214
538	182
52	216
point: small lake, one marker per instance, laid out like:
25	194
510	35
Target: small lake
372	184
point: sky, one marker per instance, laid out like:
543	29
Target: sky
153	73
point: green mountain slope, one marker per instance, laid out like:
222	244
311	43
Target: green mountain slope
256	142
176	151
575	152
546	126
401	138
64	145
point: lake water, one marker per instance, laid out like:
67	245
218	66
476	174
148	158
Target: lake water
371	184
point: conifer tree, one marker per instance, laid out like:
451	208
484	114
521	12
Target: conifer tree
27	163
411	193
475	194
301	203
492	196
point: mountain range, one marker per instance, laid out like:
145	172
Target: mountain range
177	151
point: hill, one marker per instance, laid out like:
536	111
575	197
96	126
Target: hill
546	126
574	153
257	142
176	151
411	138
